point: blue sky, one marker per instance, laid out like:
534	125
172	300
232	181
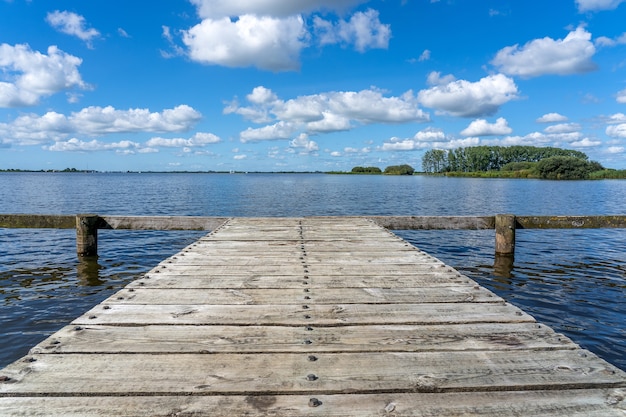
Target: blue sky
284	85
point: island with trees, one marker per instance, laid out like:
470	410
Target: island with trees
516	162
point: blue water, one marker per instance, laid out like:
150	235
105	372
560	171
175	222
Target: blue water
572	280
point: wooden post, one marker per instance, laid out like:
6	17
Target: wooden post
87	235
505	234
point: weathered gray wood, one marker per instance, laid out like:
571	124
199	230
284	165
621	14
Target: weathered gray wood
236	279
570	222
330	373
550	403
434	222
37	221
285	339
505	234
277	296
87	235
161	222
304	314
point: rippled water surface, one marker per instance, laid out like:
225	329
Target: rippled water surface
572	280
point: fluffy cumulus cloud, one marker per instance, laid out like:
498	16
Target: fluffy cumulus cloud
466	99
363	30
617	126
197	140
597	5
571	55
31	129
30	75
417	143
551	118
270	34
563	128
303	144
265	42
480	127
322	113
77	145
72	24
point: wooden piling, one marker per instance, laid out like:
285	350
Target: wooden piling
87	235
505	234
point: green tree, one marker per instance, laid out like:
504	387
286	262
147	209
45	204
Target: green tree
399	170
566	168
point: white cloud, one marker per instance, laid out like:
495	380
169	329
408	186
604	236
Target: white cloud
551	118
324	112
586	143
304	144
571	55
279	130
265	42
425	139
597	5
262	95
330	122
72	24
617	118
357	150
563	128
480	127
270	34
199	139
617	131
32	129
465	99
615	149
435	78
281	8
35	75
101	120
425	56
605	41
76	145
621	96
364	30
430	135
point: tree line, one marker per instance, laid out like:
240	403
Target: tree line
403	169
489	158
516	162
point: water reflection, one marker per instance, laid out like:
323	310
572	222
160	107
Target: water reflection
88	272
503	266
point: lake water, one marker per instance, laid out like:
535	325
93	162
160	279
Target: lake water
571	280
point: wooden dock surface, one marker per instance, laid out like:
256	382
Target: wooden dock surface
308	316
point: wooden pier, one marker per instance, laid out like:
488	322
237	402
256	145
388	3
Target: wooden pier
308	317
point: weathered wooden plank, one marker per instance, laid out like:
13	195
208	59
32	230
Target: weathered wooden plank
256	258
285	339
551	403
256	296
295	269
37	221
570	222
256	280
161	222
304	314
296	373
434	222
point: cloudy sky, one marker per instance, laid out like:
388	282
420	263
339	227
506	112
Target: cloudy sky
285	85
